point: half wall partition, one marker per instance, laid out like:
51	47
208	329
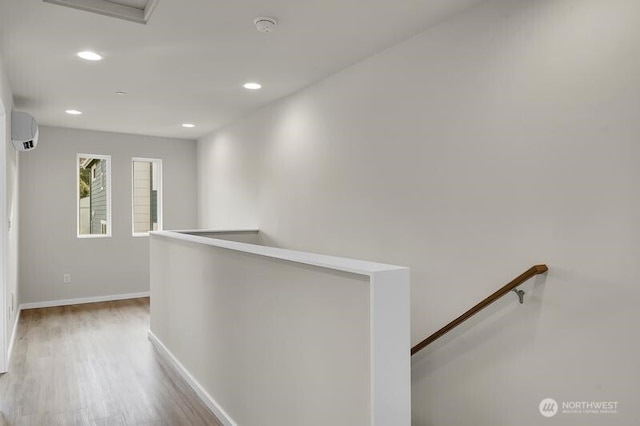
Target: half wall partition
269	336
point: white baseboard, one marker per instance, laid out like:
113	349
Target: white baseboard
14	331
64	302
198	389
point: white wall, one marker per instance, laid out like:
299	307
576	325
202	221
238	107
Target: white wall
228	175
49	247
504	137
9	203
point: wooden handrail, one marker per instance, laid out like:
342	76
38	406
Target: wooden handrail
529	273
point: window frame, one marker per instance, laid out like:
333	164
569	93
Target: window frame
107	158
157	164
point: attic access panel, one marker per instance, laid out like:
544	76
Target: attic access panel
130	10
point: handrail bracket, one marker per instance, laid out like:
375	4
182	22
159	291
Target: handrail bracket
520	294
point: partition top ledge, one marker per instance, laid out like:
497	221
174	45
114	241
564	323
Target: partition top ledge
355	266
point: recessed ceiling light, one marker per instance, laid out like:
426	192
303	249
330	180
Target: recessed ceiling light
189	125
89	56
121	93
252	86
73	112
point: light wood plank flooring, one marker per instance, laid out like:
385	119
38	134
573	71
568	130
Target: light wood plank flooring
92	364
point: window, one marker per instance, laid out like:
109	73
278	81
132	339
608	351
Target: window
94	195
147	195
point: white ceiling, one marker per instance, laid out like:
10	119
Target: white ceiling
189	62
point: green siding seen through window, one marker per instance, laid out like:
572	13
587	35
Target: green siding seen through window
94	195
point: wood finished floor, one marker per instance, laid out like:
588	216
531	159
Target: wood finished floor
92	364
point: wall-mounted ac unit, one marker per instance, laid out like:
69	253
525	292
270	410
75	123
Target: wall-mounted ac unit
24	131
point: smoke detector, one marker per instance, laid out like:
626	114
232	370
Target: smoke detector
265	25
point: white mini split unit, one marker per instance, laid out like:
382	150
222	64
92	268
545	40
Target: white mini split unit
24	131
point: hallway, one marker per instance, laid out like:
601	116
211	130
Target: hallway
92	364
